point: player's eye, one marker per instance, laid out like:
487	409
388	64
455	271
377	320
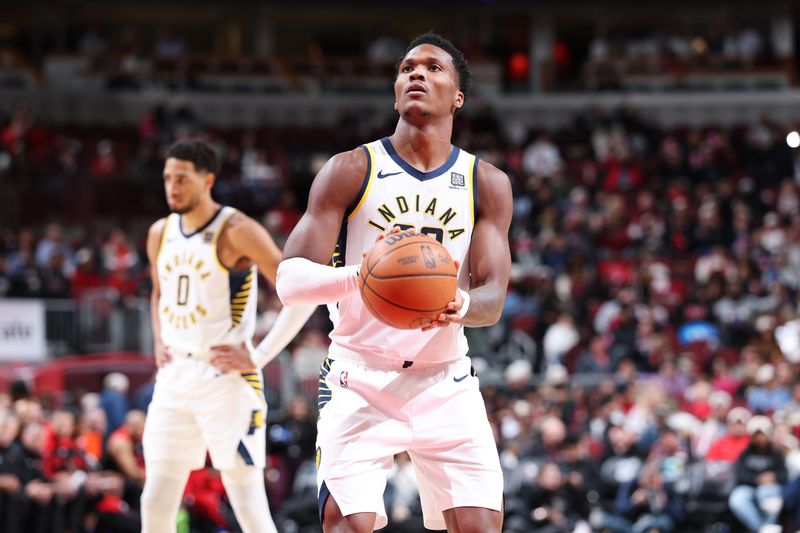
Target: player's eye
406	68
435	67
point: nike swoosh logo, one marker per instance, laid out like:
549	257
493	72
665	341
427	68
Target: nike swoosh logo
462	378
381	175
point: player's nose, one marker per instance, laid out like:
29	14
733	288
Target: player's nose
418	73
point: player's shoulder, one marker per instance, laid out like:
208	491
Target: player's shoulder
239	224
349	163
157	228
490	174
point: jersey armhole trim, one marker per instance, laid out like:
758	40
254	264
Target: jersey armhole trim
163	238
365	186
217	236
473	198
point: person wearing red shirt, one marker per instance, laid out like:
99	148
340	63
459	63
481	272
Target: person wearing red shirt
728	447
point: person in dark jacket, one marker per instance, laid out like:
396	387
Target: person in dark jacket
760	472
647	503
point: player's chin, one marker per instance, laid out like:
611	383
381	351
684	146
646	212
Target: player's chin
416	109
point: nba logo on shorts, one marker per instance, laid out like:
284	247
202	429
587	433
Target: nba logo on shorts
208	237
456	179
343	379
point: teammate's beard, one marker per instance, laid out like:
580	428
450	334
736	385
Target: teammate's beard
185	209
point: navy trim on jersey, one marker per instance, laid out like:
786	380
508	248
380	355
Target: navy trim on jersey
321	499
475	188
411	171
204	226
245	454
363	189
339	256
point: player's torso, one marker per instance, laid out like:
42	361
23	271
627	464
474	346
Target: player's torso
441	204
202	303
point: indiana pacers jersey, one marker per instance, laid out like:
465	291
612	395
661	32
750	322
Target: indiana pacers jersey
441	203
202	303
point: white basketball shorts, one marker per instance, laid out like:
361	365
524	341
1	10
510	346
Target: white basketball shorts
196	409
435	412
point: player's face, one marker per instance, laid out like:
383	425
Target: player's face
184	185
427	83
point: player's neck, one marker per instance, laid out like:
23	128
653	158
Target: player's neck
199	216
423	146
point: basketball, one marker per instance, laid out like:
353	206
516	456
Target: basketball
407	279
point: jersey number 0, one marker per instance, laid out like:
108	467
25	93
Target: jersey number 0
183	289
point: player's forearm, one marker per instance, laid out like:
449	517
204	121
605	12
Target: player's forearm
301	281
289	322
154	322
485	306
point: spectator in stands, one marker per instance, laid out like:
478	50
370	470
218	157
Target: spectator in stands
730	446
715	425
55	283
646	504
580	475
542	158
760	472
114	399
105	165
10	484
550	504
402	497
547	445
767	395
38	513
53	243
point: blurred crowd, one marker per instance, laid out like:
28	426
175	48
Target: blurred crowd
649	338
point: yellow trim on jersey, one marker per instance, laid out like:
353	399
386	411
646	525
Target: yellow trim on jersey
163	238
370	179
471	192
217	235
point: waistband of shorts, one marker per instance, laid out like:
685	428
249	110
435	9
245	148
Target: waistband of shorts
338	353
191	356
199	355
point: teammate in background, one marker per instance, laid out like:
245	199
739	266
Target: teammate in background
209	395
384	391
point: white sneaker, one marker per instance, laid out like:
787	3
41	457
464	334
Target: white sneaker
770	528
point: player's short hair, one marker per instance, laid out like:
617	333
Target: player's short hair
459	61
198	152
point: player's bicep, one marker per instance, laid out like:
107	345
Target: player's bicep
490	254
333	190
250	239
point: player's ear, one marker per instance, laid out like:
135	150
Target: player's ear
211	178
459	101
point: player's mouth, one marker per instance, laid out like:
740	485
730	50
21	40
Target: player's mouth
416	89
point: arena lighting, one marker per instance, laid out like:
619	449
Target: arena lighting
793	139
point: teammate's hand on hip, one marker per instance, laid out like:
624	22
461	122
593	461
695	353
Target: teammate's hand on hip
230	357
451	315
163	357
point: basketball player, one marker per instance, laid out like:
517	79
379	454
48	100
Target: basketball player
208	396
384	390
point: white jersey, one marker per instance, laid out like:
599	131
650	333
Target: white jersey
441	203
202	303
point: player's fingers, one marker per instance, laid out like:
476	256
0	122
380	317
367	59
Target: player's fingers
221	350
457	263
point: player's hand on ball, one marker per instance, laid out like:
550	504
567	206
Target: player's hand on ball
451	315
163	357
229	357
382	236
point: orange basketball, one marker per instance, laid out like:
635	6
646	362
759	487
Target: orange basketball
407	279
